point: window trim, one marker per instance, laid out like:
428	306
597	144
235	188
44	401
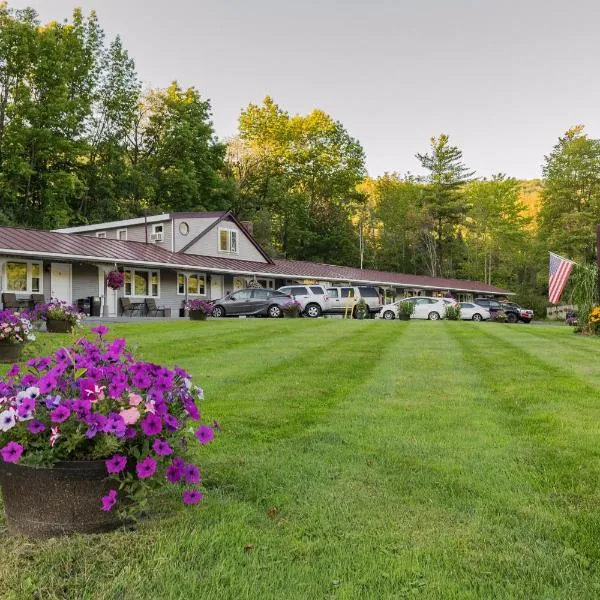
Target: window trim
29	264
101	235
229	231
132	277
155	226
119	231
185	279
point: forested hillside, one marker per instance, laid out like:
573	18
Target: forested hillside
82	140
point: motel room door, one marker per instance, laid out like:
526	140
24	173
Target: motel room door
216	286
111	295
60	281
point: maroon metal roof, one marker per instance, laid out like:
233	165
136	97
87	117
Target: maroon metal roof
65	246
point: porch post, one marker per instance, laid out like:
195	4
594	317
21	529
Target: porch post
105	312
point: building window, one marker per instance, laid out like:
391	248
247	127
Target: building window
122	234
184	228
228	240
23	276
196	284
157	228
101	234
142	283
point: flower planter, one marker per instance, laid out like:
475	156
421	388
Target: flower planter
59	326
10	353
403	317
44	502
197	315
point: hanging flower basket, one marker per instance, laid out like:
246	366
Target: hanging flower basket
115	280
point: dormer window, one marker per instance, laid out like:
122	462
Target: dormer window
228	240
157	233
101	234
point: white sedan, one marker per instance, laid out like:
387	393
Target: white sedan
425	308
473	312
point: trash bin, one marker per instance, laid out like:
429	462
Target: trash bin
83	305
95	306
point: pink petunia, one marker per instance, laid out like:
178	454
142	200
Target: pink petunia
130	415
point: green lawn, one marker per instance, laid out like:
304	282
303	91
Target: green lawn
362	459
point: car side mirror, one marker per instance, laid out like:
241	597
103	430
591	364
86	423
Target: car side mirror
232	298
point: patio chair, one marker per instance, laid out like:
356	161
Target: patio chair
127	308
37	299
152	310
10	302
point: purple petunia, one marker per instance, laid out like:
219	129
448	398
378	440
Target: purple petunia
171	423
115	464
11	453
173	473
192	496
47	384
161	447
204	434
191	473
96	424
114	424
151	425
13	371
26	408
60	414
36	427
100	330
109	500
146	468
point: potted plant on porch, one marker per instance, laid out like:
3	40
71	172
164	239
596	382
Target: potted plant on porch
88	429
405	310
60	317
198	310
15	332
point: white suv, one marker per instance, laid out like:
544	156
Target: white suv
349	296
312	298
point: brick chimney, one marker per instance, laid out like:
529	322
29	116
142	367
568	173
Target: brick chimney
249	226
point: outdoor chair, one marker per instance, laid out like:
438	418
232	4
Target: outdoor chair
152	310
10	302
127	308
37	299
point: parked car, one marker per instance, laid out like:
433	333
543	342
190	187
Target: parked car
338	298
252	301
513	312
312	298
426	307
523	314
469	311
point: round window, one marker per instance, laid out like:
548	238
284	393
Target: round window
184	228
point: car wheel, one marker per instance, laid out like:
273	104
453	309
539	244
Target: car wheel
218	311
477	317
313	311
433	316
389	315
511	318
275	311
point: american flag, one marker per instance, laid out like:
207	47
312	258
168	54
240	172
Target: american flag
560	269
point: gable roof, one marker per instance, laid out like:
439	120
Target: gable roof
50	245
229	216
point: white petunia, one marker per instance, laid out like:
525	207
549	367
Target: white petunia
7	419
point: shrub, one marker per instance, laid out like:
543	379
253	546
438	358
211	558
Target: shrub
406	308
15	328
292	309
453	312
361	310
94	401
499	317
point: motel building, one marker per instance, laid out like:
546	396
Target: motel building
171	257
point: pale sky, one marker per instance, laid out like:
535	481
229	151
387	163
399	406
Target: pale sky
504	78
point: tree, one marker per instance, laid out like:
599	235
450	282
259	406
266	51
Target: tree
444	199
571	196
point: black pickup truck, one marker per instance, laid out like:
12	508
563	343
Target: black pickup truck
513	312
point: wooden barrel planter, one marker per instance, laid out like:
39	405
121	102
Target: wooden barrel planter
403	316
59	326
44	502
197	315
10	353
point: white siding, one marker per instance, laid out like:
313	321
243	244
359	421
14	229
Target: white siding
197	226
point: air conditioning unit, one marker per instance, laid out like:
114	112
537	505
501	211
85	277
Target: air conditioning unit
156	237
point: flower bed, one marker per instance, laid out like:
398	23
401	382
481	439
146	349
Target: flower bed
93	401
